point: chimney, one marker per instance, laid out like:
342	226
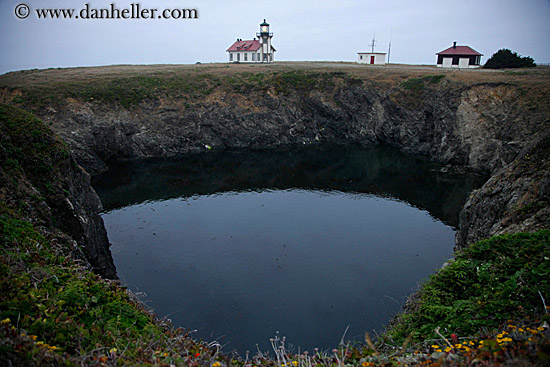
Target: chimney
454	44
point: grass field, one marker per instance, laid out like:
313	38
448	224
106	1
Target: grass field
392	73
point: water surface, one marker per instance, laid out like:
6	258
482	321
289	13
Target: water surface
240	245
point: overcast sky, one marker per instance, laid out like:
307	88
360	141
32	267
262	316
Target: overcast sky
333	30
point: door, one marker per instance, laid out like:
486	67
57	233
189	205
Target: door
372	60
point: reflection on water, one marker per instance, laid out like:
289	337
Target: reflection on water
305	241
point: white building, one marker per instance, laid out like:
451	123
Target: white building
458	57
254	51
371	58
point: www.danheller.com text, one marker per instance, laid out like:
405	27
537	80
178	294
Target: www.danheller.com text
133	11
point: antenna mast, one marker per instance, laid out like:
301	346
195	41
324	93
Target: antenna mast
389	47
373	41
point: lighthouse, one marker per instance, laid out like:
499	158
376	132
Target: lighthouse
253	51
264	36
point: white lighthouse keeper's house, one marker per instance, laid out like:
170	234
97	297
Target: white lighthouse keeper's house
254	51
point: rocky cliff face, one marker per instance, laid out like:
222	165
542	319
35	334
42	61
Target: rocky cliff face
42	184
478	127
515	199
481	126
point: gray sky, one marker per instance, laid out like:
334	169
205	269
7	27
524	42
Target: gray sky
332	30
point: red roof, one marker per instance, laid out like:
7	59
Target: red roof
246	45
460	50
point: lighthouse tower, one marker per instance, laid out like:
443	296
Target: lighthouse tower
265	40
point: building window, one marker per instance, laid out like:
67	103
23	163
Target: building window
245	56
230	57
253	56
455	60
258	56
238	57
361	57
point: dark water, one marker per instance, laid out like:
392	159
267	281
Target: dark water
306	241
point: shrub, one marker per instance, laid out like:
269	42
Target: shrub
505	58
490	282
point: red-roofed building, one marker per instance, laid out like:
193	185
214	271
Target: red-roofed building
253	51
459	57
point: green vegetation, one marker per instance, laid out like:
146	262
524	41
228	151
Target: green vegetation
505	58
495	280
28	143
418	85
126	91
191	87
304	82
31	160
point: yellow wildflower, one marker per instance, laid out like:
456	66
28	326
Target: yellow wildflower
448	349
295	363
5	321
113	350
39	343
216	364
435	346
33	337
52	347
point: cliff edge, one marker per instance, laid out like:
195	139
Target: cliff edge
41	183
